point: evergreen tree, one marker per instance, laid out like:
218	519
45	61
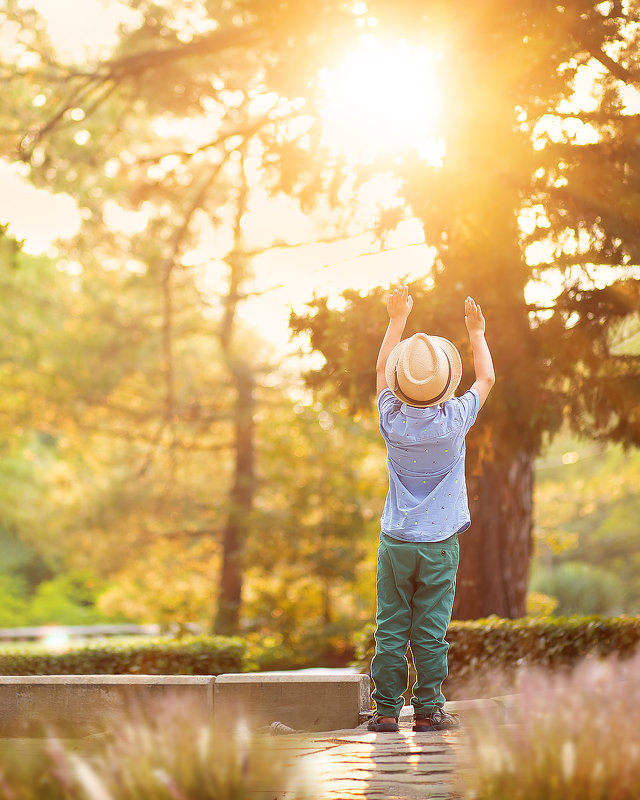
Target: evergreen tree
519	147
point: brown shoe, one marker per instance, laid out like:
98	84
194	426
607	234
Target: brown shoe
438	720
376	724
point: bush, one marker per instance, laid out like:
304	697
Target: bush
327	646
66	599
579	588
192	655
485	655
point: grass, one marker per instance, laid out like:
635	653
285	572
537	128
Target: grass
150	756
571	737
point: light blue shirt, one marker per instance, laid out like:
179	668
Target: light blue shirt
427	497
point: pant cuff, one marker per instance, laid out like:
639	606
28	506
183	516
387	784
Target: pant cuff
386	711
426	710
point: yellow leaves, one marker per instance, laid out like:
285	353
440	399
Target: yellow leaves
540	605
555	540
172	583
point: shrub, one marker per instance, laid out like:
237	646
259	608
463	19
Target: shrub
191	655
485	655
327	646
570	738
579	588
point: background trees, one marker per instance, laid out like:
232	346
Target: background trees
164	401
178	437
585	533
533	211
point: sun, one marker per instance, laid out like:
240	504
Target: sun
382	98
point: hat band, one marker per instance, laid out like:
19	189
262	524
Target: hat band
405	397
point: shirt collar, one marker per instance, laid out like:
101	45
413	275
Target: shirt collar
424	413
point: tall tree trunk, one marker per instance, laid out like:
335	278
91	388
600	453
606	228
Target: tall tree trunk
481	256
495	552
240	505
242	490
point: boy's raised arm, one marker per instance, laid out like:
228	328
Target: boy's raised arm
482	361
399	305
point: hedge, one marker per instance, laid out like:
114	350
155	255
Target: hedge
191	655
485	655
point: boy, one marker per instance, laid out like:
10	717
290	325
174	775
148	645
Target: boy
424	427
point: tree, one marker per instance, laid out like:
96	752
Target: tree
167	68
586	507
312	556
513	156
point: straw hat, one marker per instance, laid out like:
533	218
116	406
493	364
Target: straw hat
423	370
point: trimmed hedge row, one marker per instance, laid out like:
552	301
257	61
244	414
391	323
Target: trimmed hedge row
485	655
190	655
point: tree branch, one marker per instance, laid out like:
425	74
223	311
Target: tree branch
614	67
214	42
245	131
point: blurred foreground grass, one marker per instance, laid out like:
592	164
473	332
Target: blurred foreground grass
568	737
159	756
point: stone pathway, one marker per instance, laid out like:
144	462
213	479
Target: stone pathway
350	764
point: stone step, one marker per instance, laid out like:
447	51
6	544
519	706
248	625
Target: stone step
305	702
82	705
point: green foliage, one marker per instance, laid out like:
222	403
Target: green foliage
586	511
314	532
485	655
66	599
30	595
191	655
164	752
13	601
579	588
106	492
113	355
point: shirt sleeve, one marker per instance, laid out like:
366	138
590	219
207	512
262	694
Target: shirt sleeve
388	406
467	407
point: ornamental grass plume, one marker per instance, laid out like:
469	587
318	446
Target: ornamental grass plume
566	737
158	755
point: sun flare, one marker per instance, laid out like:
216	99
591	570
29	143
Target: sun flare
381	99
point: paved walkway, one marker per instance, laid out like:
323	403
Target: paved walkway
350	764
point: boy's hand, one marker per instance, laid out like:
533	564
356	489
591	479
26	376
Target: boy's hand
473	318
399	303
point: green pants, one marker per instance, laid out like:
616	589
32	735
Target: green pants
415	586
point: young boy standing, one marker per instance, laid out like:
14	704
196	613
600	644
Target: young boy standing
424	427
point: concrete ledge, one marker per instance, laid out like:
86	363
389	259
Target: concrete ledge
75	706
303	702
80	705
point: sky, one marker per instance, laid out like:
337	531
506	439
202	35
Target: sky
285	279
35	215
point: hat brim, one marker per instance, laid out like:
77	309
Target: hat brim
454	360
